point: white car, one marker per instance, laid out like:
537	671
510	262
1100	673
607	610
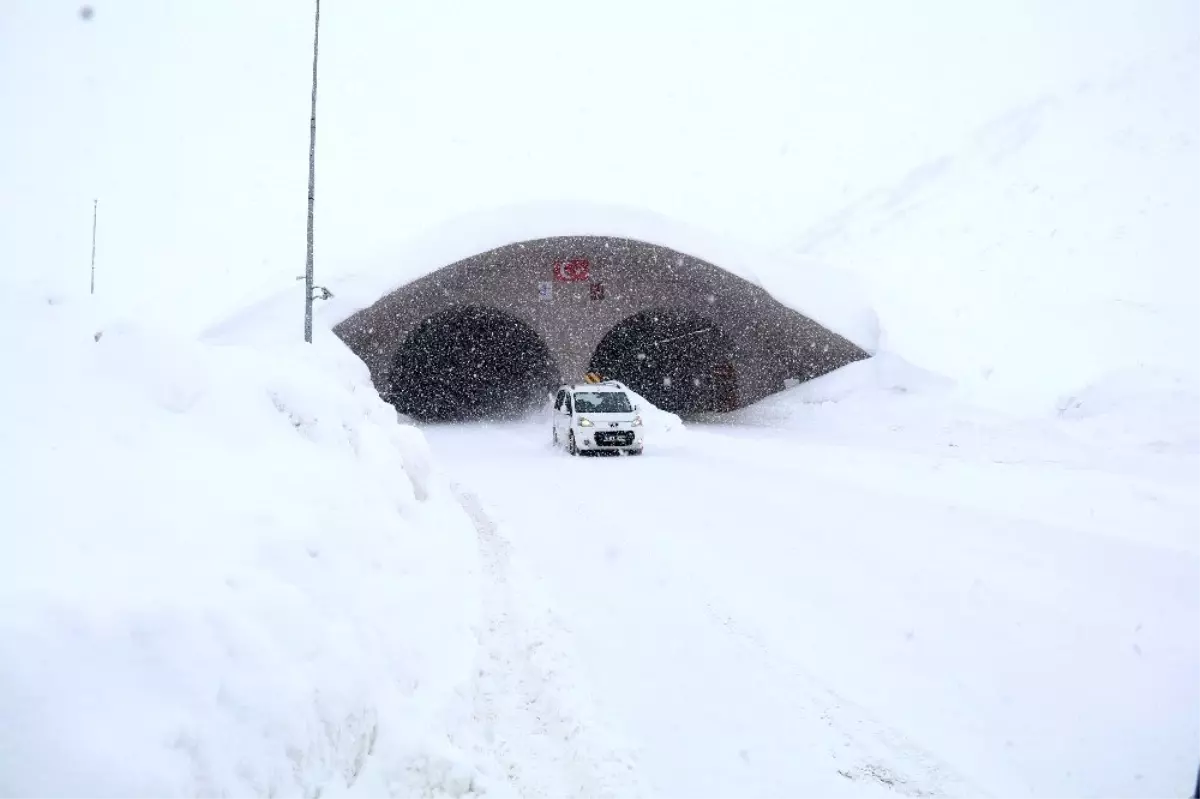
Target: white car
597	417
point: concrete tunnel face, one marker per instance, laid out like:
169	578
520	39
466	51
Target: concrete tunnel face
492	335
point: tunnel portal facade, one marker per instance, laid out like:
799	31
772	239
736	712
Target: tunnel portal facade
491	335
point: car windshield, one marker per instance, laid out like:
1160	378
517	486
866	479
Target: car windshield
602	402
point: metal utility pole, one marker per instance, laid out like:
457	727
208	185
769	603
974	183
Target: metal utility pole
95	211
312	173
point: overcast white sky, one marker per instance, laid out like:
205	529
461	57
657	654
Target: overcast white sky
752	118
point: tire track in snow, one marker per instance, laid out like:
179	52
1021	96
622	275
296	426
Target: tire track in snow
877	752
524	674
780	728
528	707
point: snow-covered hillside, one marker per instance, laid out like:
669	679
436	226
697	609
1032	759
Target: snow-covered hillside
748	118
1060	244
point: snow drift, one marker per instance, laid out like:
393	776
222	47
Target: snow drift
223	570
1153	409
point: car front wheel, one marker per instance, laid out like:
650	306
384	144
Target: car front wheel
571	448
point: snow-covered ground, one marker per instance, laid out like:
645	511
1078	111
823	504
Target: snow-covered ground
231	570
883	594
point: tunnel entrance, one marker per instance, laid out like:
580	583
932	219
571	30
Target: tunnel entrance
469	363
680	361
707	338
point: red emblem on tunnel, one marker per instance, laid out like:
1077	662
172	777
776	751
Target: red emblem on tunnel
572	269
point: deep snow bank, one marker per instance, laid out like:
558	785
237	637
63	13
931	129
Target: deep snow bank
1140	423
1056	246
223	570
875	388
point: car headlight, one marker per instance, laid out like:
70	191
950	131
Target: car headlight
637	421
584	421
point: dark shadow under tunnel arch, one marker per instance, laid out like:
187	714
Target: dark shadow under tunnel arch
678	360
471	362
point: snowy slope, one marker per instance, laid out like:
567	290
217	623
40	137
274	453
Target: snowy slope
747	118
227	570
1058	245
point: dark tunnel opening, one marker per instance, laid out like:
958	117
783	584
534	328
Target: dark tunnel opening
679	361
471	363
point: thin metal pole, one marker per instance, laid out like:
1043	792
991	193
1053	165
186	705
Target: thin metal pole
95	212
312	178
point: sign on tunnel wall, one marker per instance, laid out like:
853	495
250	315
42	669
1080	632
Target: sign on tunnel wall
572	270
